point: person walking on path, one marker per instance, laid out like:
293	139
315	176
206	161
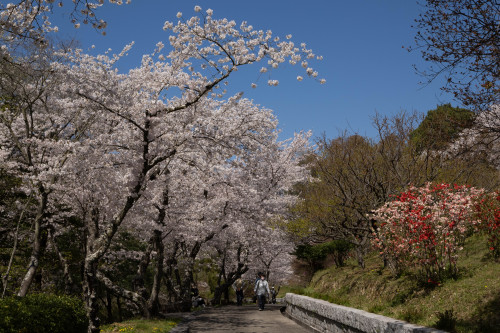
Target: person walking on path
257	279
238	288
261	290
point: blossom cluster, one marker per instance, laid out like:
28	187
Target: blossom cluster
481	139
31	18
223	46
425	228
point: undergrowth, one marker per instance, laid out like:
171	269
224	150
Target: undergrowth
466	303
141	326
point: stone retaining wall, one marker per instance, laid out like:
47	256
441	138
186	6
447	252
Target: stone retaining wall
323	316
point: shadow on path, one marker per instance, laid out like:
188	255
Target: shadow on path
244	319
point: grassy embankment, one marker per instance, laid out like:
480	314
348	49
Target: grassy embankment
141	326
469	303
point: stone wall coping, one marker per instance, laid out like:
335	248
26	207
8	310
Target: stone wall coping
355	318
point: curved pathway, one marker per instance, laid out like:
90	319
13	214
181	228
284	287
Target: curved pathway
244	319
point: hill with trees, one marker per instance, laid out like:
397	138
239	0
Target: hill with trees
420	220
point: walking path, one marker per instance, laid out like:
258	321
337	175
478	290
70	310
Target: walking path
244	319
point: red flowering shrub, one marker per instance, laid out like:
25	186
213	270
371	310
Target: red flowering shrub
425	228
488	210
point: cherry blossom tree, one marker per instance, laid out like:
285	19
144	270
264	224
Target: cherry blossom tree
272	255
159	114
252	191
201	196
482	139
125	151
30	19
264	191
36	136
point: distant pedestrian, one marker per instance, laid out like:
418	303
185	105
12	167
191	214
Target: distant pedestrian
262	290
196	299
274	292
238	286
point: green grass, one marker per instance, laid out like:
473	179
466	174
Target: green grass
141	326
468	304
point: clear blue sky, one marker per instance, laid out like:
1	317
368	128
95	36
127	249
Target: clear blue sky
365	66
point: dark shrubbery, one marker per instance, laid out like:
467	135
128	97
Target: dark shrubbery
446	321
42	313
314	255
340	250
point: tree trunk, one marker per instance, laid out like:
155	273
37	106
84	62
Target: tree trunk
97	244
89	295
119	306
361	259
89	279
37	247
109	306
361	250
153	302
169	272
143	266
230	278
226	292
37	281
138	284
5	277
217	296
134	297
172	295
223	288
183	301
68	281
219	289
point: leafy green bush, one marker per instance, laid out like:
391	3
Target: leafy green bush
42	313
339	249
314	255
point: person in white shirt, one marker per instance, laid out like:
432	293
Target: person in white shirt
261	290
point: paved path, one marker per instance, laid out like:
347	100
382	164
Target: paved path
244	319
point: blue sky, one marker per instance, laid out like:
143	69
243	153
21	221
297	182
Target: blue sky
365	65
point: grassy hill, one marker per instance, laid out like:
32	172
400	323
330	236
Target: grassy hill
469	303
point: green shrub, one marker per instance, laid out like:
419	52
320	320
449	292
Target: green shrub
314	255
340	250
42	313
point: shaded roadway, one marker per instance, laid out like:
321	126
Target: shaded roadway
244	319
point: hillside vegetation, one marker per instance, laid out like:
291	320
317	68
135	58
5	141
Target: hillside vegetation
469	303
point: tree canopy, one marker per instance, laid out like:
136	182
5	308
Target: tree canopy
461	39
441	127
